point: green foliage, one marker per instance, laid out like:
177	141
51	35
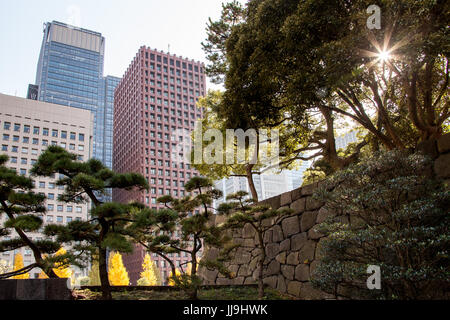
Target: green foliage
156	229
313	68
84	182
392	213
23	208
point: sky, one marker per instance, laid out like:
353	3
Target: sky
125	24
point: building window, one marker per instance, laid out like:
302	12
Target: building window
60	208
26	128
55	133
50	196
45	131
5	137
35	130
64	134
16	127
49	218
4	147
59	219
73	136
6	125
81	136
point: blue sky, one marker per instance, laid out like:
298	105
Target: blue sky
126	25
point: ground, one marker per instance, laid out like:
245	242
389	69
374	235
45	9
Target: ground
231	293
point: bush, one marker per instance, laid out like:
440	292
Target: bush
388	211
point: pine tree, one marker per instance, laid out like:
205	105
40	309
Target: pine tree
117	274
18	265
84	182
24	209
182	227
150	276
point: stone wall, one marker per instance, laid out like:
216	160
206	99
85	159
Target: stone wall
293	246
35	289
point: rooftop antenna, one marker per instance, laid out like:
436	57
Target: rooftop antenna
168	48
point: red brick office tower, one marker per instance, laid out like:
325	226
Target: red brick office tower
154	102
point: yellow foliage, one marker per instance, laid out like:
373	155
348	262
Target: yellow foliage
189	267
18	264
177	275
150	274
62	272
117	274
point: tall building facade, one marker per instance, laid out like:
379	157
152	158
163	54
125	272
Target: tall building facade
27	127
70	73
154	108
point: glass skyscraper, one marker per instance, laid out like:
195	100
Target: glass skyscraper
70	72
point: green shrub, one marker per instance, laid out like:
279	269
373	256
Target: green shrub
388	210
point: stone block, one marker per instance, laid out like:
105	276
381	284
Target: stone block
268	236
273	268
249	243
244	271
271	281
442	166
309	189
298	206
290	226
313	204
294	287
292	258
285	245
323	214
281	284
281	257
313	234
272	249
288	272
248	231
238	281
306	253
277	233
58	289
285	199
210	275
298	240
249	280
224	281
296	194
308	220
273	202
302	272
443	143
307	292
8	289
31	289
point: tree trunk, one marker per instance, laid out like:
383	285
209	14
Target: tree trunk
251	183
103	272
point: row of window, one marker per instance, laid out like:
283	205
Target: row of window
35	141
45	131
25	150
172	62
